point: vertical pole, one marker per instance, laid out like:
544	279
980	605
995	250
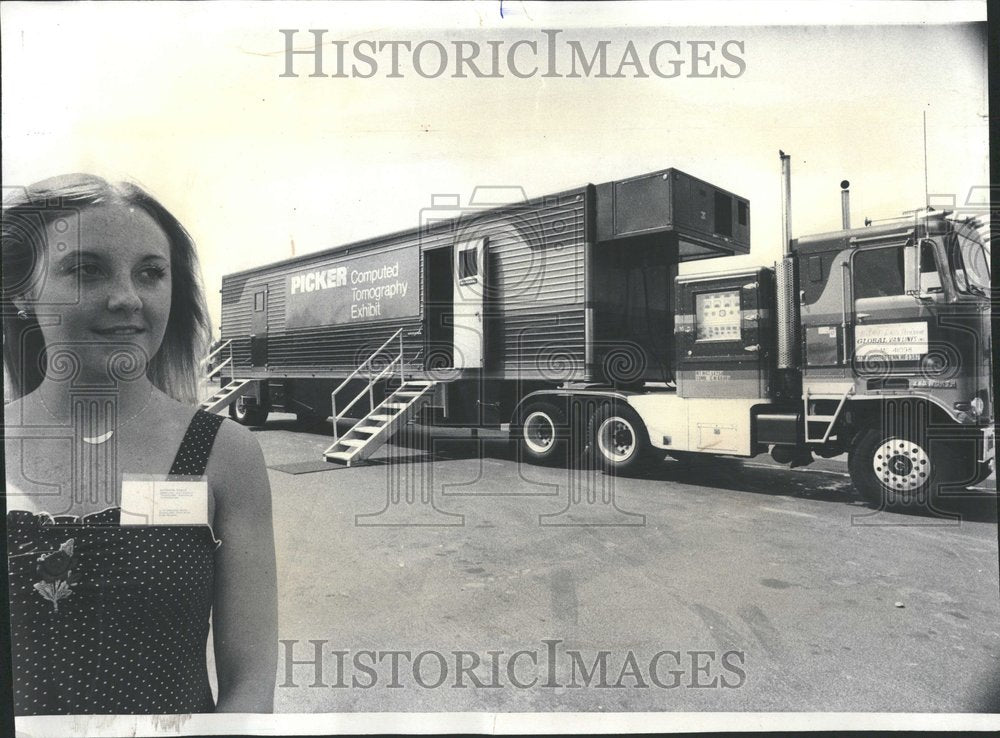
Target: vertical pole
371	387
786	303
845	204
926	196
402	377
786	203
333	403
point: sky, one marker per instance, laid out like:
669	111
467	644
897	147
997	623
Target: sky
188	100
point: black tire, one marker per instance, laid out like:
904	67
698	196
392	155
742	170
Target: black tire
619	440
541	433
889	470
252	415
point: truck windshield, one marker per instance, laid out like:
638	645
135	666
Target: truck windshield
970	261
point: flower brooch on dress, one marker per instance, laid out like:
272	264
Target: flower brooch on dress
56	571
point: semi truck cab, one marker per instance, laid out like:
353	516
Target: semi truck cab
896	359
888	359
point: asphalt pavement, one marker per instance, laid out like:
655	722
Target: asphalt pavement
724	586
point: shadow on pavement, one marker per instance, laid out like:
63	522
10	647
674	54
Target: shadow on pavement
718	473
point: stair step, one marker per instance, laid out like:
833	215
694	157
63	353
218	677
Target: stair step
367	428
380	417
356	443
398	405
338	456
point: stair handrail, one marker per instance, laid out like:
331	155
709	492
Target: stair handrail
228	361
342	413
368	389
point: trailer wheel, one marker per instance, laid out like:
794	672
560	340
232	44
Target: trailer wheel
619	439
541	433
247	414
888	470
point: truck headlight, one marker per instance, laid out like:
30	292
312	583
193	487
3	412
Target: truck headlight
977	405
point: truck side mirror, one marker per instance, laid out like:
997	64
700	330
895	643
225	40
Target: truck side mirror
911	269
911	272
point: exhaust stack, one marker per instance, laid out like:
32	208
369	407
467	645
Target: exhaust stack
785	282
845	204
786	203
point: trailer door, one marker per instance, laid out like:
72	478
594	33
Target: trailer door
469	269
258	328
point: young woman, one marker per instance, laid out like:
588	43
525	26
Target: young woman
116	575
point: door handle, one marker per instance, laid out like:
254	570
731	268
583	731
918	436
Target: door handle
860	317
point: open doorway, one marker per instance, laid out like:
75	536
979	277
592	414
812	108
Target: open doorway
439	309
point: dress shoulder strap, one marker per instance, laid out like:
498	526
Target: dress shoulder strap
192	455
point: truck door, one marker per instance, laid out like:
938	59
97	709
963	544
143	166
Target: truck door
890	327
258	328
469	269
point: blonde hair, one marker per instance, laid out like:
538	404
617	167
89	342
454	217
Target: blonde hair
26	215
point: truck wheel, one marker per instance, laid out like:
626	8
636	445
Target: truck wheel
888	470
619	439
247	414
541	433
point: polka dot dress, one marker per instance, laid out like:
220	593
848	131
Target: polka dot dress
131	636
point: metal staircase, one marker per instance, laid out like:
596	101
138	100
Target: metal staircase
383	420
227	395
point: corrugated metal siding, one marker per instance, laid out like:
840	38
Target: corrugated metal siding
536	303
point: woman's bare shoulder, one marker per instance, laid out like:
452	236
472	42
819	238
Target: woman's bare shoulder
20	413
236	465
234	440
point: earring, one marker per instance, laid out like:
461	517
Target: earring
22	314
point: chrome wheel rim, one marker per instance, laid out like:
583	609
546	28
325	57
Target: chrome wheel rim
616	439
539	432
901	465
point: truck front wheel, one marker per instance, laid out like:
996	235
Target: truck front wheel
888	469
619	439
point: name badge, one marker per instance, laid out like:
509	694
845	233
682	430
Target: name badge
156	501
